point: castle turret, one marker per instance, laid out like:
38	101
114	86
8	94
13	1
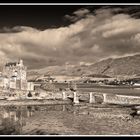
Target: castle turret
21	62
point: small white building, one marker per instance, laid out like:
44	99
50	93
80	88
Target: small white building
30	86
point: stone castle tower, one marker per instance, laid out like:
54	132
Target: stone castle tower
14	76
16	70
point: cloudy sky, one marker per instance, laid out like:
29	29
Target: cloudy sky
55	35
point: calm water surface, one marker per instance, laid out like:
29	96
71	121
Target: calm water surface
69	119
66	120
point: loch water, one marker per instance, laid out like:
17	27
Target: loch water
67	120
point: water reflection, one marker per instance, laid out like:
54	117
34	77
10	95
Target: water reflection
13	118
59	119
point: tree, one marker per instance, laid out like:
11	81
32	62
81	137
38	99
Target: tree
29	94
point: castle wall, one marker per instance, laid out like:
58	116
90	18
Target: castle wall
23	84
1	82
121	99
13	84
5	82
18	84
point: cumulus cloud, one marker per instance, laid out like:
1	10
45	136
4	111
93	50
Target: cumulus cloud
16	29
76	15
92	36
81	12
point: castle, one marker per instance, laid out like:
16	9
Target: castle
14	75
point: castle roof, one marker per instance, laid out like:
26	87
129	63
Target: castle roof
11	64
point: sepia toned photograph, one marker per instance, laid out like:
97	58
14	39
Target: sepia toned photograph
69	70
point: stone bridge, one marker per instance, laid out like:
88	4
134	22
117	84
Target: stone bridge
105	98
96	97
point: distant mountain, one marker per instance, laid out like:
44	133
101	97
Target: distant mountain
128	66
124	66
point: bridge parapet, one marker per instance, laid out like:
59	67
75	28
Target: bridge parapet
91	97
121	99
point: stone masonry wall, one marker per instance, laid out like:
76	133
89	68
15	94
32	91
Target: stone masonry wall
121	99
